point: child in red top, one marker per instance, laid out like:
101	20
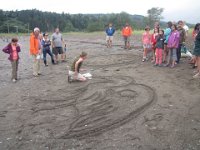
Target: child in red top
153	42
13	49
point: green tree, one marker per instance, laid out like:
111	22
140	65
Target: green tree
154	15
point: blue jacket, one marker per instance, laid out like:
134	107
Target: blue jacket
167	33
110	31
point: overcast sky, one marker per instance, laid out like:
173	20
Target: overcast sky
174	10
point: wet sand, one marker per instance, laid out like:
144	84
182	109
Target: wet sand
127	105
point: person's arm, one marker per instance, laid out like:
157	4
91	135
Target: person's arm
32	47
18	49
76	66
6	49
184	37
52	43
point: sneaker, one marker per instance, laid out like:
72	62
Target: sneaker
196	76
14	80
166	65
35	75
144	59
160	65
155	65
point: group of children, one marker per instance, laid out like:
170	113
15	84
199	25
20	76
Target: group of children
163	44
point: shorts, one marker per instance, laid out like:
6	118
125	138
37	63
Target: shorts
109	38
57	50
147	46
79	77
126	38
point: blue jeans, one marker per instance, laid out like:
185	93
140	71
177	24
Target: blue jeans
45	52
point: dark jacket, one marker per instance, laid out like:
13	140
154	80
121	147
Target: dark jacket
8	49
46	44
197	45
160	41
182	35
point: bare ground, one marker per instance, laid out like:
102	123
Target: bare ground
128	105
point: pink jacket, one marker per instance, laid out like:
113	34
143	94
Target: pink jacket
146	38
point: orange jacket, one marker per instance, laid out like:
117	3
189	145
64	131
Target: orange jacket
127	31
34	45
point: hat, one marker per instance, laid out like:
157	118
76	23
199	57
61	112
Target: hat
147	27
36	29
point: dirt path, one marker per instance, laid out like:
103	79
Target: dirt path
128	105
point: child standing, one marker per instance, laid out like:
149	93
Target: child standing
159	48
13	49
110	30
146	40
173	43
153	42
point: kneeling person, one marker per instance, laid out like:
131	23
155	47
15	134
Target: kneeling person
75	68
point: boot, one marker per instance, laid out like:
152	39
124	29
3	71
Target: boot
45	63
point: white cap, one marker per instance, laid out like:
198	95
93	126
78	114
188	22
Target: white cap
36	29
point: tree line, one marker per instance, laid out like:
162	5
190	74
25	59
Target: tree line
25	20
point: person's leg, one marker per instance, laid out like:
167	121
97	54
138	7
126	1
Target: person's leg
17	63
169	56
55	52
128	43
153	53
125	42
197	75
110	42
178	53
35	65
165	53
13	64
157	55
174	57
51	55
44	57
61	53
38	67
198	63
144	52
160	56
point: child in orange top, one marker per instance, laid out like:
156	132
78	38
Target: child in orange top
126	33
146	40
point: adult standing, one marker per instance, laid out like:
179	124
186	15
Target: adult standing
57	45
126	33
110	30
46	49
182	39
35	51
197	51
186	28
167	33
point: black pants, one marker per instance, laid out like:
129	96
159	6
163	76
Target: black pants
178	52
45	52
